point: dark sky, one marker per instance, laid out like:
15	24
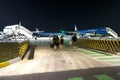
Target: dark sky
53	15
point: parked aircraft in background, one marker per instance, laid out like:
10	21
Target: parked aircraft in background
98	32
38	33
18	30
47	34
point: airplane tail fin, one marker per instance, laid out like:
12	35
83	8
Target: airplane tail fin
75	27
61	30
20	23
37	30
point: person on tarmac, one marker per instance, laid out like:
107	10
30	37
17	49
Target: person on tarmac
74	40
55	42
61	42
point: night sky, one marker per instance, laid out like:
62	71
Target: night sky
53	15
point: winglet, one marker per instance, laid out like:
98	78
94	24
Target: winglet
75	27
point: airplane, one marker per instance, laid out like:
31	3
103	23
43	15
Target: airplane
47	34
38	33
97	32
19	30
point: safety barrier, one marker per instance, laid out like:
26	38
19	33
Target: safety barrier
23	46
13	51
111	46
3	64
